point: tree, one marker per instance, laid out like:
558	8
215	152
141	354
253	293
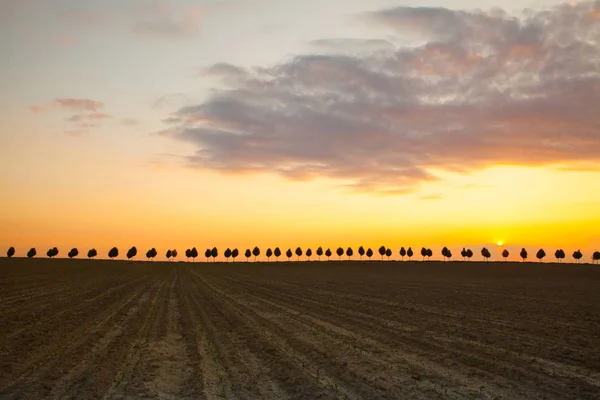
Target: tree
169	254
53	252
132	252
298	252
277	253
540	254
523	254
596	256
234	254
445	252
449	254
423	252
557	255
349	252
214	253
429	254
227	254
188	254
409	253
369	253
194	254
308	254
92	253
388	253
577	255
113	253
150	254
174	253
469	253
402	253
10	252
207	254
320	252
269	254
485	253
328	254
361	252
73	253
382	251
505	254
339	252
463	253
31	253
288	253
248	254
255	252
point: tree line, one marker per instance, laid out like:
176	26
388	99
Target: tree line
383	251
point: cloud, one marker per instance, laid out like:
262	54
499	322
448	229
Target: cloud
88	114
165	22
474	89
129	121
88	117
74	104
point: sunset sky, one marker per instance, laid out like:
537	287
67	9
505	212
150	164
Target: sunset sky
231	123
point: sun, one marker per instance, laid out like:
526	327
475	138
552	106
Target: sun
500	243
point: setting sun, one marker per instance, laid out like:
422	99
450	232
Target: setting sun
500	243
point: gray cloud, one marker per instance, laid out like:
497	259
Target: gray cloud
480	89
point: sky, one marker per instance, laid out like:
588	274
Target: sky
230	123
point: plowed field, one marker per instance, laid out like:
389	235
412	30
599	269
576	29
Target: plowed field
350	330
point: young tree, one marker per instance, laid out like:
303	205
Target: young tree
596	256
298	252
255	252
369	253
423	252
449	254
248	254
188	254
308	254
577	255
382	251
227	254
540	254
445	252
288	254
349	252
113	253
269	254
523	254
409	253
463	253
361	252
31	253
429	254
194	254
207	254
234	253
132	252
320	252
328	254
92	253
169	254
388	253
486	254
339	252
150	254
10	252
557	255
469	253
214	253
277	253
73	253
174	254
53	252
505	254
402	253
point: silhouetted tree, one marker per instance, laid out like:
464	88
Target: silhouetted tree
92	253
113	253
10	252
523	254
194	254
269	254
328	254
409	253
320	252
445	252
429	254
402	253
174	253
150	254
505	254
540	254
73	253
369	253
31	253
227	254
339	252
132	252
277	253
469	253
361	252
53	252
214	253
308	254
577	255
207	254
168	254
349	252
288	254
248	254
388	253
298	252
255	252
188	254
234	253
463	253
557	255
423	252
485	253
382	251
596	256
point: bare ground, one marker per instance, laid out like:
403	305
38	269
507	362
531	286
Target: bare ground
350	330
